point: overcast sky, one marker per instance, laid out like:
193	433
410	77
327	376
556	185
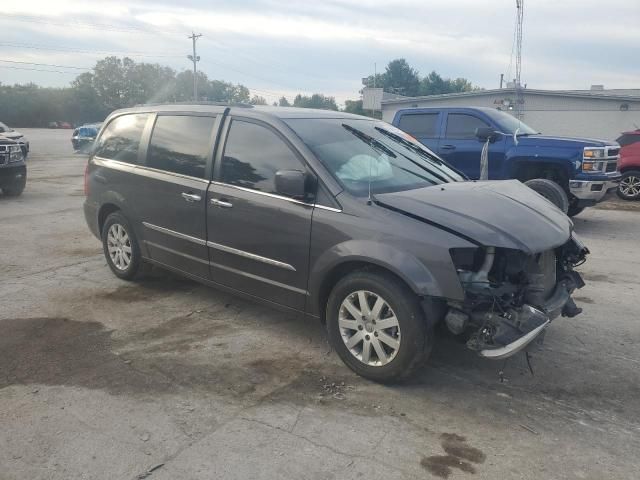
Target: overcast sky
278	47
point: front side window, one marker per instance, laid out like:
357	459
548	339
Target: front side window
121	139
461	126
181	144
419	124
366	153
252	156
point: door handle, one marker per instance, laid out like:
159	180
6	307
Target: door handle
221	203
448	147
191	197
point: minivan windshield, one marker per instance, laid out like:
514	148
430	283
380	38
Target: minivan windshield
510	124
363	154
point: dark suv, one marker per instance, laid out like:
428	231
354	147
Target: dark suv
13	169
340	217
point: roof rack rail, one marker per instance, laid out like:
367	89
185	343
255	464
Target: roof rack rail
220	104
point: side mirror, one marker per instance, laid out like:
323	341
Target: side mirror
291	183
486	133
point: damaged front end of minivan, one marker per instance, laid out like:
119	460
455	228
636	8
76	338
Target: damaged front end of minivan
511	297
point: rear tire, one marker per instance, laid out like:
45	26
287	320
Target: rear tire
121	248
393	337
551	191
629	188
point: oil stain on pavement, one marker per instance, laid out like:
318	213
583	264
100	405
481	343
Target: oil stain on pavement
459	455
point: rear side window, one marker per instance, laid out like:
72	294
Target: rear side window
181	144
121	139
628	139
462	126
420	124
252	156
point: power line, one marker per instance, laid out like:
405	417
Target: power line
45	65
75	50
37	69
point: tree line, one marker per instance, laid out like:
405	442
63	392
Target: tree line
121	82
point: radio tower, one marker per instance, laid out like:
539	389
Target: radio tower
518	85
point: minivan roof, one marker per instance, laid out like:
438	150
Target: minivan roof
278	112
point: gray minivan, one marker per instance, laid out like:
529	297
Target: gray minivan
340	217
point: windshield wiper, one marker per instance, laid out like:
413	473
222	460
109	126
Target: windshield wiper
369	140
415	148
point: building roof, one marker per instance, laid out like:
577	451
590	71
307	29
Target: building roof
613	94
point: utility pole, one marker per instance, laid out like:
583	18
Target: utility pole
195	59
519	22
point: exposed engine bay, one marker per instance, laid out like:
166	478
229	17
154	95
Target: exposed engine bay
511	297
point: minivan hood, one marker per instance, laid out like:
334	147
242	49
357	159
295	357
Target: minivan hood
504	214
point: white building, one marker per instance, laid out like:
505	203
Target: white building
595	113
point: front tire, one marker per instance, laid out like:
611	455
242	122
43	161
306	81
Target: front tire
17	188
629	188
551	191
574	210
377	327
120	246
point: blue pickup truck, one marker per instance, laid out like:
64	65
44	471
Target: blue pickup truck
584	169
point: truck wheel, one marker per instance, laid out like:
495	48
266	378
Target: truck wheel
16	189
377	327
574	210
629	188
551	191
121	247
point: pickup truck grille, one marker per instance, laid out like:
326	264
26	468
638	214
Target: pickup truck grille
611	166
613	151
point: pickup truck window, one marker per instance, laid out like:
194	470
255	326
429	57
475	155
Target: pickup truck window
462	126
121	139
510	124
252	156
419	124
180	144
359	152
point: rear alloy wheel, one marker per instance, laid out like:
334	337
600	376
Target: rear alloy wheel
121	247
551	191
629	188
377	326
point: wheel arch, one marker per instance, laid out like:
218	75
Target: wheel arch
524	170
106	210
332	266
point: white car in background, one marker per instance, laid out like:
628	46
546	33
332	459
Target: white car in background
11	134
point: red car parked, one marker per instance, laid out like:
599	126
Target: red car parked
629	165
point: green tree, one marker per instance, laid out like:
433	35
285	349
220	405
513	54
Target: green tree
317	100
258	100
400	78
283	102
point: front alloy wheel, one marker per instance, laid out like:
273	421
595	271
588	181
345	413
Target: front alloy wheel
629	188
369	328
377	326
